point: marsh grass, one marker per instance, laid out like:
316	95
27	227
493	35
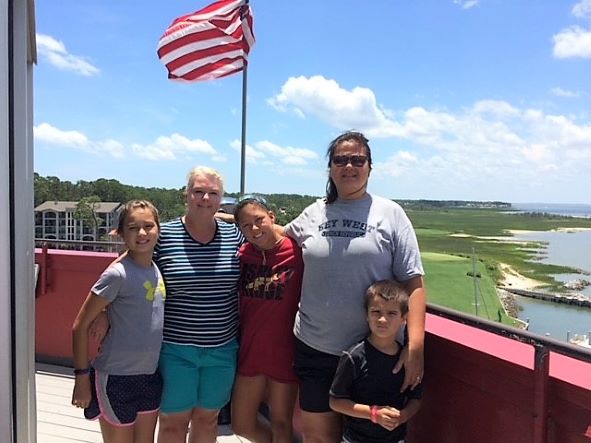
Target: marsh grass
447	238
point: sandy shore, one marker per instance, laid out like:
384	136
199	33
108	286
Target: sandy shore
521	231
515	280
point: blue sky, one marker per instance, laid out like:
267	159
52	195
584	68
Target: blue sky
461	99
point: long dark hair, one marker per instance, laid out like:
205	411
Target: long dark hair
331	189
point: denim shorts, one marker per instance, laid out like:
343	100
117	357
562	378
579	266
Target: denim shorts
120	398
196	376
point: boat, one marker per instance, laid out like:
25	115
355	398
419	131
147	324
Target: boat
581	340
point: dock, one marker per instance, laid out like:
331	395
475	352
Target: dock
569	299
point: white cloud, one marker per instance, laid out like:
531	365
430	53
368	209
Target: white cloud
582	10
252	155
51	135
466	4
327	100
572	42
396	165
532	141
175	147
54	51
539	153
487	138
559	92
271	153
497	108
491	141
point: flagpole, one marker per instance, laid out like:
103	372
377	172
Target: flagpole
175	50
243	141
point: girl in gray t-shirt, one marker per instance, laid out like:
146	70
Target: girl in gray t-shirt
123	381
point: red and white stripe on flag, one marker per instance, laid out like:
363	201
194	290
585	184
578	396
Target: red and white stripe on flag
211	43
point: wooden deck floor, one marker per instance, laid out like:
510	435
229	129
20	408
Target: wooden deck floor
60	422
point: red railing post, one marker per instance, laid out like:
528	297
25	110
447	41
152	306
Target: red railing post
43	268
541	382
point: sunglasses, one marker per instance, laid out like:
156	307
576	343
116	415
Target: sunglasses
344	160
250	198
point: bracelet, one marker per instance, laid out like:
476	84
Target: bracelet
373	414
82	371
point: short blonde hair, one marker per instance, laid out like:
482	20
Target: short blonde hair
204	171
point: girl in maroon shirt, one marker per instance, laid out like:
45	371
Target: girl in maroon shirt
271	270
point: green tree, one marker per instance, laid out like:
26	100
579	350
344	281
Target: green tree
86	211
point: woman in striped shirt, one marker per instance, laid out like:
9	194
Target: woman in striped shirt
197	255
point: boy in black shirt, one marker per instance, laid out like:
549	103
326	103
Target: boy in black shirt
365	389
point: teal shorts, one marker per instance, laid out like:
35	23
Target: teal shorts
197	377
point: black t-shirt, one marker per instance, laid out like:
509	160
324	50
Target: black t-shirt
365	376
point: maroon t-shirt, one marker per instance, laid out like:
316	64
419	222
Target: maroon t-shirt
269	286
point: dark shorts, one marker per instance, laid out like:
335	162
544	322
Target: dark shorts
315	371
120	398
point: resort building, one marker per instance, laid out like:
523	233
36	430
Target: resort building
56	220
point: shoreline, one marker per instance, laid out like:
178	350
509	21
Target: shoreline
563	229
514	280
513	283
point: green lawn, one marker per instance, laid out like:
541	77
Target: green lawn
435	228
448	284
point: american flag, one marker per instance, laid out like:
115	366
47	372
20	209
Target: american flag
211	43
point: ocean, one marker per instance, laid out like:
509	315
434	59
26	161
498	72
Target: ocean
568	209
563	248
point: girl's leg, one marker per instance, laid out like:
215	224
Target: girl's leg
204	426
116	434
321	427
281	403
173	427
248	394
145	425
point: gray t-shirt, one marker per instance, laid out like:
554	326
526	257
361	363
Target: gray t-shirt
136	315
347	246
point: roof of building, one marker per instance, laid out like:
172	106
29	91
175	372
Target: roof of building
65	206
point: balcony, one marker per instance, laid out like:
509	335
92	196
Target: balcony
58	421
484	382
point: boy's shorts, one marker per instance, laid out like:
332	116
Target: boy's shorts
120	398
197	377
315	371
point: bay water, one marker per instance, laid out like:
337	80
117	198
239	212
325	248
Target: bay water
573	249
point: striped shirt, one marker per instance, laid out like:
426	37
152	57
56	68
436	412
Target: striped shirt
201	284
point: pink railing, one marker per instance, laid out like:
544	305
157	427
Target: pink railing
484	382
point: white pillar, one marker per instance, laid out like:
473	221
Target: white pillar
6	347
17	303
24	226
